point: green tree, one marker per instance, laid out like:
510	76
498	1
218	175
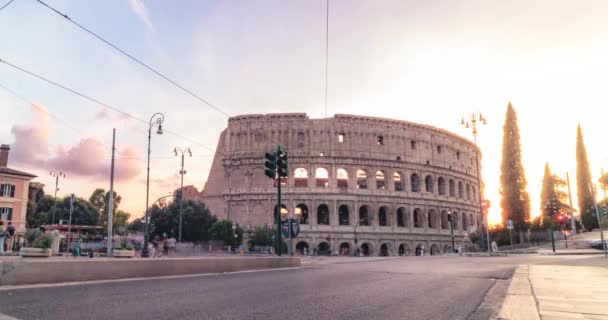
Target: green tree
120	222
548	191
260	236
197	220
222	230
84	212
583	182
515	200
100	200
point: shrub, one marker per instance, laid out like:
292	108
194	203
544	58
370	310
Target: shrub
124	244
31	235
45	241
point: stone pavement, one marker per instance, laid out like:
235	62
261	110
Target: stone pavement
551	292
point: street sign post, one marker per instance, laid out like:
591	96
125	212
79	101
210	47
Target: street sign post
285	228
510	227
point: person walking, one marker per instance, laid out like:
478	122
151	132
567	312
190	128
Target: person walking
11	236
1	236
155	243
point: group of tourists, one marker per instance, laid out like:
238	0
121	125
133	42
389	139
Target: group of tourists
167	245
7	237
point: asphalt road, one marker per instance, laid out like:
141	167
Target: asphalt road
355	288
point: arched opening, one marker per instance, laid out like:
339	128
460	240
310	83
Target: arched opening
301	213
322	178
404	250
382	217
468	191
365	249
342	178
432	215
415	181
384	250
401	218
417	218
323	249
343	216
455	220
452	187
460	190
428	183
471	220
474	194
364	216
361	179
300	178
323	214
465	223
435	250
380	183
446	249
419	250
284	213
444	220
344	249
441	186
302	248
397	179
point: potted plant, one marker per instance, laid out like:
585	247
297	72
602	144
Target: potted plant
124	249
38	244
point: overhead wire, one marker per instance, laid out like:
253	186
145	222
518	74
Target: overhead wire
6	5
138	61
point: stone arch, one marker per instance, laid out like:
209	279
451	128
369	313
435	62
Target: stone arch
446	249
418	218
441	186
300	177
398	181
344	249
404	250
474	194
322	178
428	183
364	219
415	182
284	213
302	248
323	214
403	220
301	213
380	180
452	188
465	222
361	179
385	250
432	217
456	220
444	220
366	249
460	190
471	219
383	218
419	250
468	189
342	178
435	251
343	215
324	249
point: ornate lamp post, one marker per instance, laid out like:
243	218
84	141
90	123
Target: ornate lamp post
471	121
155	121
182	172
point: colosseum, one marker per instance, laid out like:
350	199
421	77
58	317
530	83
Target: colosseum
357	185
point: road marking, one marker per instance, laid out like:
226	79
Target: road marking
80	283
5	317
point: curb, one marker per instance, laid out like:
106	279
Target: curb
520	302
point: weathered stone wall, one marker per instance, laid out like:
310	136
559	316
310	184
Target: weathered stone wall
408	168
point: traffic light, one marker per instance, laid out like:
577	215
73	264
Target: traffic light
282	164
271	165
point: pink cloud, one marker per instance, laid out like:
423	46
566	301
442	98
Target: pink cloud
102	114
30	147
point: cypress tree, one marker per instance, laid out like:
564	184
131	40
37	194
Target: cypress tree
548	191
583	182
515	202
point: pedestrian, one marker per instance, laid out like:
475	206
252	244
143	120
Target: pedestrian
11	236
165	247
1	236
155	243
172	243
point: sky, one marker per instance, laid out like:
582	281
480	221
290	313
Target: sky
423	61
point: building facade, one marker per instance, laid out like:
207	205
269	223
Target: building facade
14	189
357	185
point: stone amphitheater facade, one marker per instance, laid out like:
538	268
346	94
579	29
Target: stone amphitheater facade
389	184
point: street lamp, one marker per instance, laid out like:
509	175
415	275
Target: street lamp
56	175
472	122
155	121
182	172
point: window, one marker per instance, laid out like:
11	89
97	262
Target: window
301	138
417	218
301	211
363	216
343	215
468	191
398	158
323	214
441	186
452	187
361	179
322	178
382	217
400	217
460	190
380	140
397	181
457	155
413	144
6	214
428	183
438	149
380	180
284	212
259	137
342	177
340	137
300	177
415	180
7	190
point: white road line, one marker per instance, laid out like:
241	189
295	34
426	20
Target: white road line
5	317
80	283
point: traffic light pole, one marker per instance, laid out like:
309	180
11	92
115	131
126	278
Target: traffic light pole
552	237
599	222
279	242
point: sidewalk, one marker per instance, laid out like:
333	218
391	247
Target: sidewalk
551	292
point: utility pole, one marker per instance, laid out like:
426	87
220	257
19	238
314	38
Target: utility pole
111	197
57	175
70	222
182	172
572	221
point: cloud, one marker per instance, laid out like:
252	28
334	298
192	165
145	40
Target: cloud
140	10
88	158
102	114
30	147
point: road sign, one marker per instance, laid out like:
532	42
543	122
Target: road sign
295	228
509	224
